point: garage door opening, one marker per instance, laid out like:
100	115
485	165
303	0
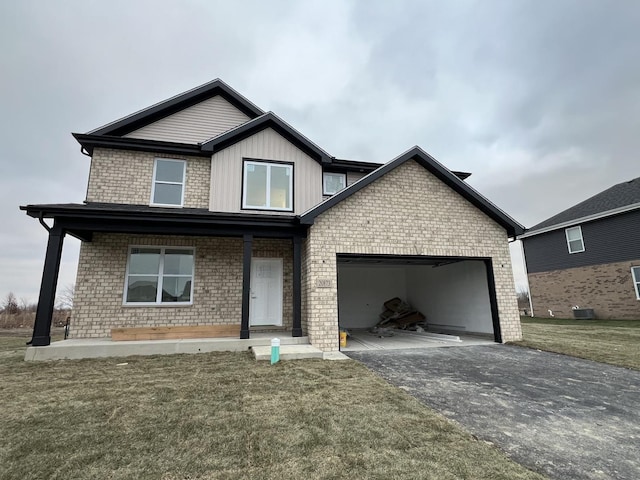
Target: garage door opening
455	294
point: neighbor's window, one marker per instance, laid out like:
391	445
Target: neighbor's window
267	186
168	182
635	273
159	275
574	239
332	183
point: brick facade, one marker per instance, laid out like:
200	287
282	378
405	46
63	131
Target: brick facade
217	295
121	176
607	289
406	212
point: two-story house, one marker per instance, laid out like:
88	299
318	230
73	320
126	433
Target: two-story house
588	257
206	211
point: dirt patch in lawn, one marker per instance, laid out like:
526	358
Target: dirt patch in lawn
616	342
223	415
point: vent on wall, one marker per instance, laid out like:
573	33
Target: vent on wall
583	313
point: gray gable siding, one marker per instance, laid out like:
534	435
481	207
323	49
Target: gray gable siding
608	240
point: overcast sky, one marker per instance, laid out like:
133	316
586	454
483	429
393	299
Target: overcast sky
539	99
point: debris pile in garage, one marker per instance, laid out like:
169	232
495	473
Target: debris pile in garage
399	315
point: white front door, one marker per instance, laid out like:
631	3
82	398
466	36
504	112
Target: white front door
265	298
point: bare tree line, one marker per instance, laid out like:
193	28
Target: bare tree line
16	313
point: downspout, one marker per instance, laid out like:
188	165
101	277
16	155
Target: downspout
41	220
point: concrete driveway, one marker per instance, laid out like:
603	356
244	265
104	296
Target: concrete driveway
561	416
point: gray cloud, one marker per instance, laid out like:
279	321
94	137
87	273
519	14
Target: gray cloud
540	100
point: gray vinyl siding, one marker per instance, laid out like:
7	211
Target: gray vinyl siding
608	240
194	124
226	173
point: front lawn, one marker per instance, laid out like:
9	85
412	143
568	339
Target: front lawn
616	342
223	415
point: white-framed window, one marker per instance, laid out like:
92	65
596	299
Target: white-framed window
635	275
267	186
332	182
574	239
159	276
168	182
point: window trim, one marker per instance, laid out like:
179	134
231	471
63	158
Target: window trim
154	182
159	302
636	280
324	185
566	234
269	164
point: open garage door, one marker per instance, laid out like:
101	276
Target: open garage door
456	294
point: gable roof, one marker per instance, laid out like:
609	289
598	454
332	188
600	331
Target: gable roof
267	120
174	104
438	170
620	198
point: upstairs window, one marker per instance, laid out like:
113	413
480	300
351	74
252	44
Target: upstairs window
635	274
159	275
267	186
332	183
168	182
574	239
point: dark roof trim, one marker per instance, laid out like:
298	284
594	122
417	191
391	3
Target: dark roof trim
341	165
268	120
461	175
100	211
177	103
89	142
436	168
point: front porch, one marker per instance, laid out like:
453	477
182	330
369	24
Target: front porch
106	347
219	291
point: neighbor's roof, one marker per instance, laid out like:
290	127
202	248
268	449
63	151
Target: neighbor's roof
437	169
620	198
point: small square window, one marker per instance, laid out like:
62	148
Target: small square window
168	182
332	183
575	243
635	275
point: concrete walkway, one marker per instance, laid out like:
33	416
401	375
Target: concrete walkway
561	416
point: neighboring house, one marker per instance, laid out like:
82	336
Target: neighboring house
588	256
204	210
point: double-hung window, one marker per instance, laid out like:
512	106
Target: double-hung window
635	275
159	275
575	243
168	182
267	186
332	183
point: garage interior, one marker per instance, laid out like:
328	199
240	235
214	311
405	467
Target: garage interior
455	294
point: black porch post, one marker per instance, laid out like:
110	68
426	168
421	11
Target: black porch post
247	246
42	326
296	331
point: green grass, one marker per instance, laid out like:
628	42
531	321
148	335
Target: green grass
225	416
616	342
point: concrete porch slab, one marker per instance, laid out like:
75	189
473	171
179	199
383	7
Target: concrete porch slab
287	352
105	347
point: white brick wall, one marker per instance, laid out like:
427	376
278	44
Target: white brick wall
406	212
217	296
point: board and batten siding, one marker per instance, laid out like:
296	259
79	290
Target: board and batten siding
194	124
607	240
226	172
